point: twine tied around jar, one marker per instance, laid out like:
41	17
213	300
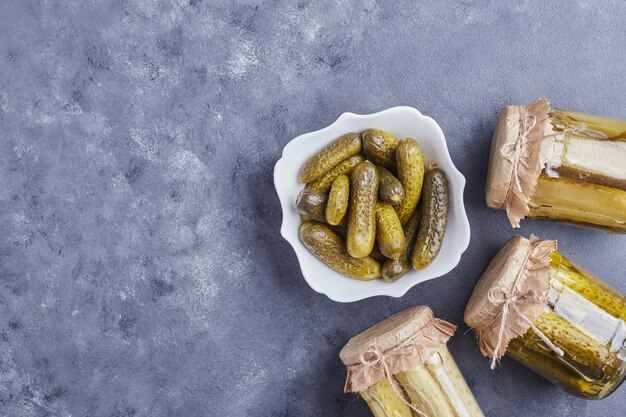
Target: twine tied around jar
378	357
513	152
528	155
400	343
511	299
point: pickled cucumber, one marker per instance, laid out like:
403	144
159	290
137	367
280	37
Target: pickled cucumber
579	375
581	318
394	269
323	183
438	388
411	175
330	156
390	188
588	353
331	249
337	204
389	233
361	210
548	366
380	147
588	124
588	286
383	400
434	220
312	204
579	202
425	393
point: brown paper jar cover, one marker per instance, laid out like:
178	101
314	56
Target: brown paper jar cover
399	343
517	279
521	146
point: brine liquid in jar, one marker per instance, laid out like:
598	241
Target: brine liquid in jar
436	388
585	318
584	181
560	165
402	368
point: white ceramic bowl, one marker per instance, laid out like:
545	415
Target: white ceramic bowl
400	122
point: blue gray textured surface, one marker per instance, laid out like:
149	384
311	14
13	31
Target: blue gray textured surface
141	268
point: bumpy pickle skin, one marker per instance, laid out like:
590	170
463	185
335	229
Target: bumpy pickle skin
579	202
533	354
589	124
588	286
380	147
425	393
567	371
329	248
390	189
312	205
362	210
383	400
323	183
389	233
395	269
338	200
591	366
588	353
438	388
330	156
410	161
435	203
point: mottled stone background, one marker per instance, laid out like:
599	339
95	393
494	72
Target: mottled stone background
141	268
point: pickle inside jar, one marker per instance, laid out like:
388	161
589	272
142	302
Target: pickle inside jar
579	202
595	160
584	317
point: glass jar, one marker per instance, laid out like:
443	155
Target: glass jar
560	165
576	334
402	368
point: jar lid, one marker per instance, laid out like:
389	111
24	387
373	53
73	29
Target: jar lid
398	343
510	295
521	146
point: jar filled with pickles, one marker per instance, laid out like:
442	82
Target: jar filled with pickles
402	368
560	165
552	316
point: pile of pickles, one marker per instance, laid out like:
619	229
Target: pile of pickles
371	208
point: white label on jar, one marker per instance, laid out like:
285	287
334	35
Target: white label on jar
601	157
435	365
588	317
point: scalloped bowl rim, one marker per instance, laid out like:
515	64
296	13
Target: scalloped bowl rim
338	287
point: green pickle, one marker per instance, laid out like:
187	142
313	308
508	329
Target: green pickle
396	268
362	210
411	175
338	200
584	181
311	205
329	157
436	388
584	317
389	233
435	204
330	248
579	202
325	182
390	189
380	147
